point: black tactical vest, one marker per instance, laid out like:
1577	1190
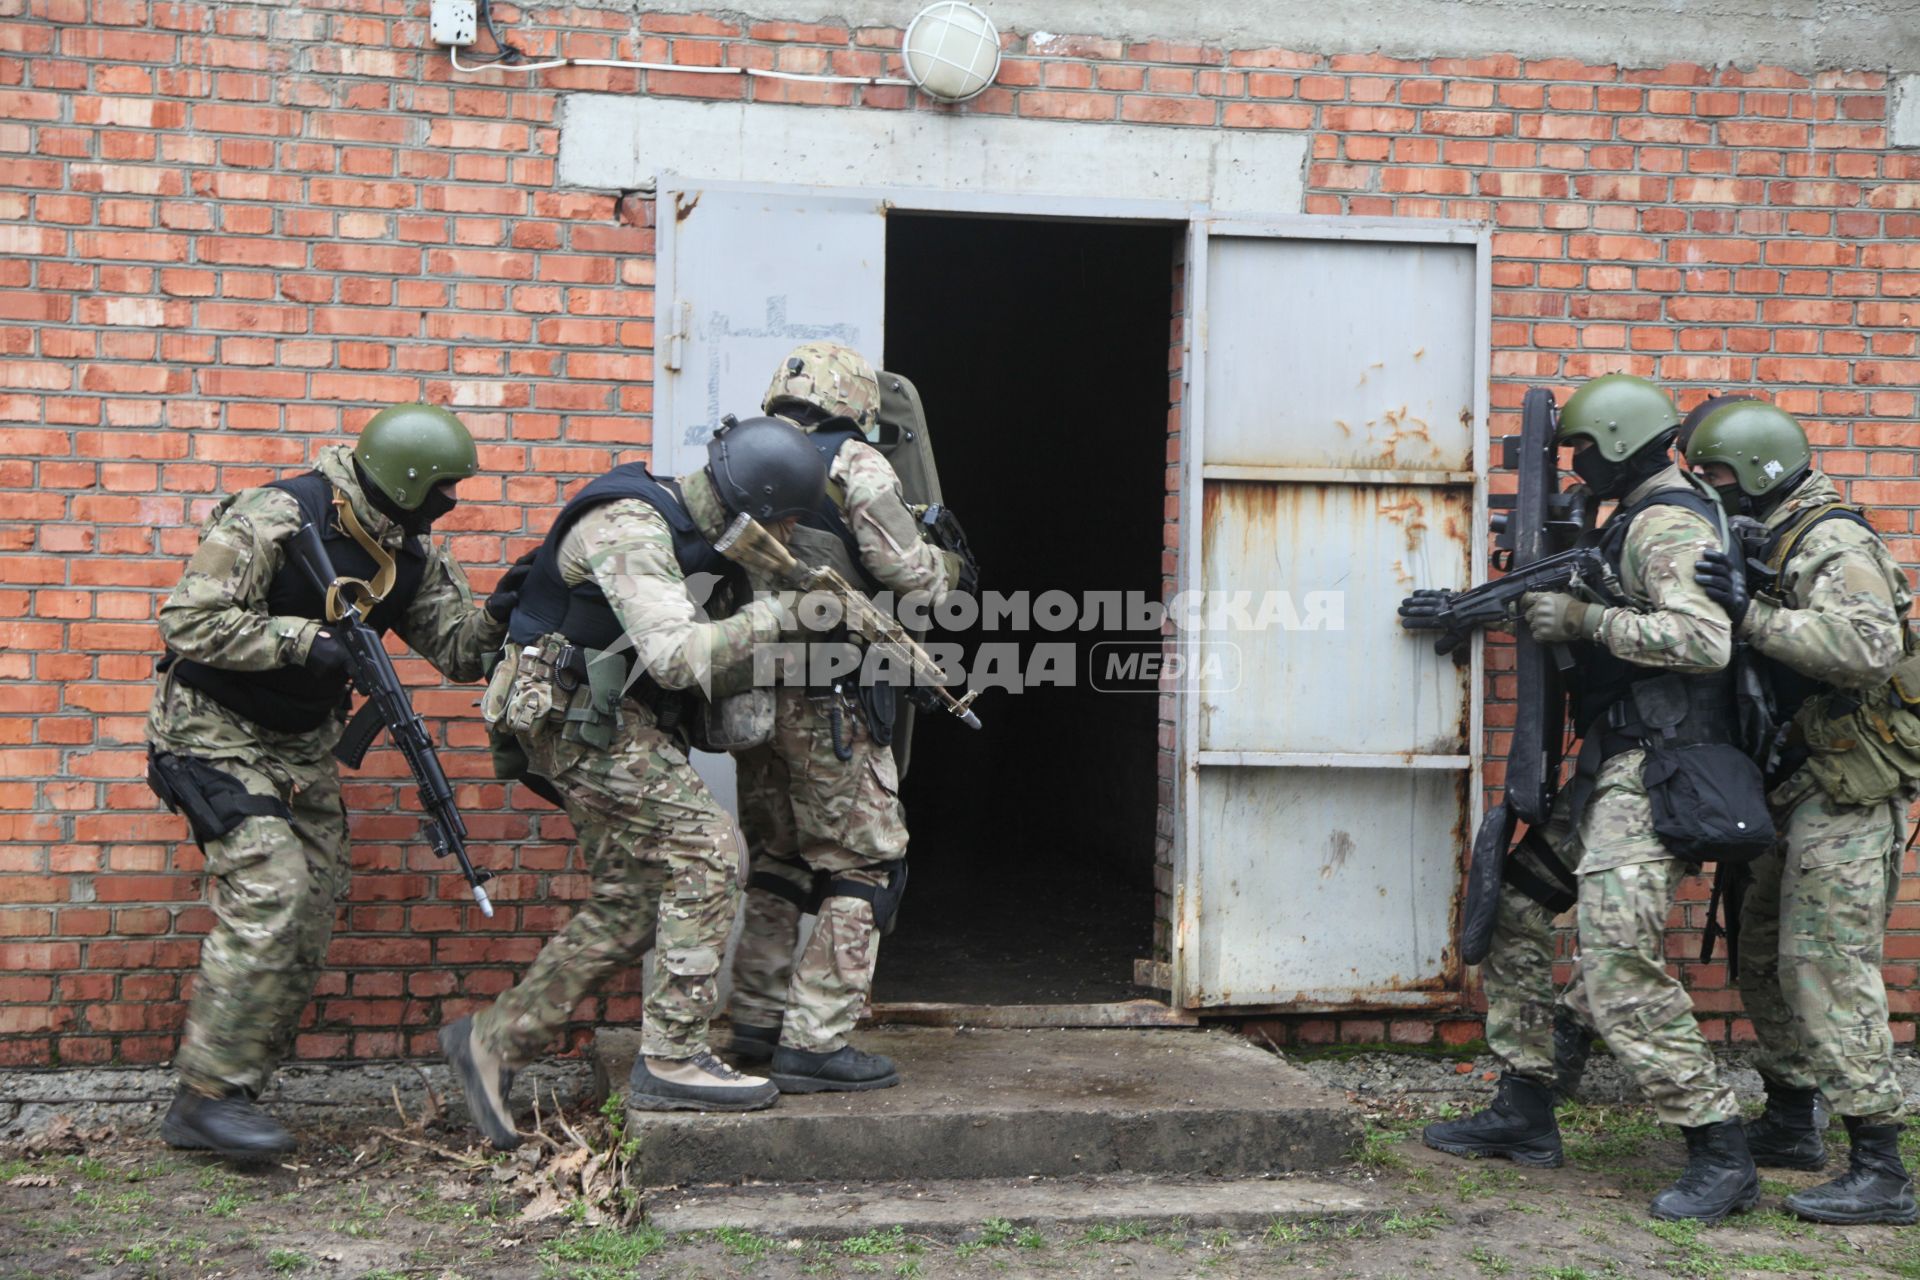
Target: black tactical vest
828	518
293	699
1603	679
581	612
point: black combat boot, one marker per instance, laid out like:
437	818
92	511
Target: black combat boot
1875	1187
1719	1178
1519	1126
231	1126
845	1070
753	1044
1787	1133
1572	1046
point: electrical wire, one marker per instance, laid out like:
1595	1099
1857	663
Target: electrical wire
506	63
507	57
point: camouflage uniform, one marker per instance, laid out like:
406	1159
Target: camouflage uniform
274	882
803	810
1814	919
661	852
1627	876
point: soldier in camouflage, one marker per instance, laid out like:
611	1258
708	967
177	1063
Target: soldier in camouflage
820	803
1622	430
1828	624
249	706
609	652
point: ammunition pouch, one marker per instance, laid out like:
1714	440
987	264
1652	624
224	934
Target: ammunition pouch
214	803
510	764
606	675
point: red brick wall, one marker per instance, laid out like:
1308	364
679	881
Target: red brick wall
228	233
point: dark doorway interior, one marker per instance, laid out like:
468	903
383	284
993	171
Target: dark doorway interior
1041	353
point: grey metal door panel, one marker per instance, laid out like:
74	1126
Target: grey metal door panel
1324	566
1363	358
1345	897
746	276
1334	439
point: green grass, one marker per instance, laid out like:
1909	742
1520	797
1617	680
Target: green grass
1118	1233
892	1240
996	1231
226	1204
288	1260
1377	1145
745	1244
1697	1258
1598	1136
1029	1239
1489	1262
606	1246
1789	1261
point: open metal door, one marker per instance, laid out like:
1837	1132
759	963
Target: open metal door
746	275
1334	451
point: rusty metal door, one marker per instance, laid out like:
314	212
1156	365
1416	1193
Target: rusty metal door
746	275
1333	454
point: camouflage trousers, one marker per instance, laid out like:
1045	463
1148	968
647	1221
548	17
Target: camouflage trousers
805	810
664	865
1620	985
1812	928
273	884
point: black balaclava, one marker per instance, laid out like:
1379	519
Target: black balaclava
1610	479
439	501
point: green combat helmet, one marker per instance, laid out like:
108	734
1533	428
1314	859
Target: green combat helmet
1631	423
1619	413
1764	446
820	380
408	449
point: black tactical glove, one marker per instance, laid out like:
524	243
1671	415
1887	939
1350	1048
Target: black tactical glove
507	594
1421	612
1714	571
327	656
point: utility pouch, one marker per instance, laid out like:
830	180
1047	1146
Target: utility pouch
1866	752
213	803
529	685
1709	802
737	722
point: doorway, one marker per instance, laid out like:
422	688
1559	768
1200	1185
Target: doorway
1040	349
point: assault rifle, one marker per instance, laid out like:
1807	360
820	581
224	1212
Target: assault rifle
1458	614
387	707
747	542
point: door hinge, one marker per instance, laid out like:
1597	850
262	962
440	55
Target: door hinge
682	315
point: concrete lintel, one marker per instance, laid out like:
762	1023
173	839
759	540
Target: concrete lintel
616	142
1804	35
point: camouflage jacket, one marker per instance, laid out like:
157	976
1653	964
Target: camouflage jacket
218	615
1836	611
1672	623
626	548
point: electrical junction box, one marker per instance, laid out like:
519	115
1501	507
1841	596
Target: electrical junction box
454	22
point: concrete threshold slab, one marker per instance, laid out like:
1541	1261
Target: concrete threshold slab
952	1210
996	1103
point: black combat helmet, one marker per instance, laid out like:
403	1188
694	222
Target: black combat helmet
765	468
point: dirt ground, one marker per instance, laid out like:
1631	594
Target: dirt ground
407	1196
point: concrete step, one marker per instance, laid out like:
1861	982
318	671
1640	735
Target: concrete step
1014	1104
949	1210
